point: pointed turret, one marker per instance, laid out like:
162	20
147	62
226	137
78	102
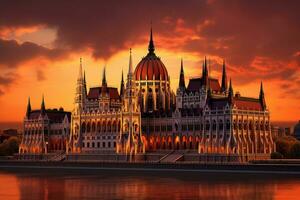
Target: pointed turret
262	97
151	47
181	78
224	79
104	83
84	83
43	107
130	69
80	70
122	86
28	111
205	74
230	93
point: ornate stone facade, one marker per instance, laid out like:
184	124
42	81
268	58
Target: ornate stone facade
204	117
45	130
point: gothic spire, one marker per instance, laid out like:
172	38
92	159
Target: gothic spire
230	93
84	83
104	83
80	70
181	78
224	78
43	107
122	87
151	48
28	108
130	69
205	74
262	97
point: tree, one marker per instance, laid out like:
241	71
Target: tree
9	146
295	150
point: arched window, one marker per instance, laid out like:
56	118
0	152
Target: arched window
88	127
245	125
114	126
214	126
103	126
119	126
221	125
228	125
207	125
108	126
93	127
98	127
83	127
240	125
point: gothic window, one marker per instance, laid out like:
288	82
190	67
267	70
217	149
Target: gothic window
256	125
104	126
234	125
220	125
261	125
228	125
93	127
214	126
88	127
83	127
240	125
207	125
119	125
98	127
108	126
114	126
245	125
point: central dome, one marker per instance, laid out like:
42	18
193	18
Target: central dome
151	67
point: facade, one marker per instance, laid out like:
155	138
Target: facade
104	120
204	116
45	130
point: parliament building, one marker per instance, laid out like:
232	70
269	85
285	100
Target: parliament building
204	116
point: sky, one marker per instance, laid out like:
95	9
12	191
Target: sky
41	43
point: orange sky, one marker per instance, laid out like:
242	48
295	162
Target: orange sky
40	54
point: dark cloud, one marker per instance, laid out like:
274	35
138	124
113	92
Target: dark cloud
13	53
7	80
239	31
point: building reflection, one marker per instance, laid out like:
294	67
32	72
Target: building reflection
40	186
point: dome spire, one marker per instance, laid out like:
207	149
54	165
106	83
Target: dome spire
151	48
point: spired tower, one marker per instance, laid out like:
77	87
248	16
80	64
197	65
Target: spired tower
74	143
130	138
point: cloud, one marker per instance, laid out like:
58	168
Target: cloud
6	81
259	40
13	53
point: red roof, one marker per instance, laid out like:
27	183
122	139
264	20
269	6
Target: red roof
245	103
96	91
54	115
151	68
196	83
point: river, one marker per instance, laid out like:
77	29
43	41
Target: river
57	185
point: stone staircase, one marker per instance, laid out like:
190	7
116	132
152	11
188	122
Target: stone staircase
58	157
171	157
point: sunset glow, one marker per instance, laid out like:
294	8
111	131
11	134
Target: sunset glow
39	53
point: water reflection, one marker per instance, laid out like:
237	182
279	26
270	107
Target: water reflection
109	185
